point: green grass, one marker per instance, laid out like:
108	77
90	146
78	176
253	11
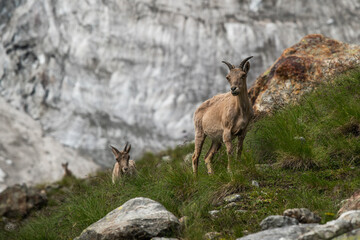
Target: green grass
313	147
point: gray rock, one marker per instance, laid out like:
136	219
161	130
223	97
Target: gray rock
276	221
231	205
352	235
135	70
345	223
241	211
255	183
232	198
10	226
163	238
284	233
212	235
188	158
138	218
303	215
214	213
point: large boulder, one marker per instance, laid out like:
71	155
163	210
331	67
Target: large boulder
17	201
353	203
300	68
285	233
138	218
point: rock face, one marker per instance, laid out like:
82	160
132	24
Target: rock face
300	68
353	203
28	156
100	72
303	215
138	218
17	201
276	221
352	235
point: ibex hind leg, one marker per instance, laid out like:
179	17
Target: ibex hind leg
215	146
199	141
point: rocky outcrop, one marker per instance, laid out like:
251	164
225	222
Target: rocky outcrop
300	68
345	223
100	72
26	155
17	201
353	203
286	233
138	218
276	221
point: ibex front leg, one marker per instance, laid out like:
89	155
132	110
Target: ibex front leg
228	144
241	138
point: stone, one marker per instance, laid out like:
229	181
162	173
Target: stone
352	235
17	201
232	198
10	226
214	213
212	236
276	221
255	183
166	158
241	211
138	218
284	233
111	71
188	158
299	69
353	203
303	215
163	238
347	222
231	205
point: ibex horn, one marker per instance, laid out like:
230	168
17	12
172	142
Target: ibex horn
243	62
230	66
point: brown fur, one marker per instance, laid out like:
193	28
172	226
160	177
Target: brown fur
123	165
224	117
67	172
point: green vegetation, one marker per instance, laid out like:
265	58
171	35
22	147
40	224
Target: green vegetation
309	156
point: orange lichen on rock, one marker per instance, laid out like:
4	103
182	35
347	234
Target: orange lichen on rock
300	68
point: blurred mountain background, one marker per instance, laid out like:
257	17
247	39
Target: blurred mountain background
99	72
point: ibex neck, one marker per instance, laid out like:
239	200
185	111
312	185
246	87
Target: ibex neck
243	102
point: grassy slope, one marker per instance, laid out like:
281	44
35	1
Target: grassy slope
315	146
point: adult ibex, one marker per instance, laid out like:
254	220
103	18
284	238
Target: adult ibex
224	117
123	163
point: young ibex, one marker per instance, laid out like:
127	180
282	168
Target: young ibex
123	165
224	117
67	172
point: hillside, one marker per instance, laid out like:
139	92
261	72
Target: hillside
303	155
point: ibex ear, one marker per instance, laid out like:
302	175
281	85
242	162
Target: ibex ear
246	67
115	151
128	148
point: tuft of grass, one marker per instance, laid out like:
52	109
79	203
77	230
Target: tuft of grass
309	155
